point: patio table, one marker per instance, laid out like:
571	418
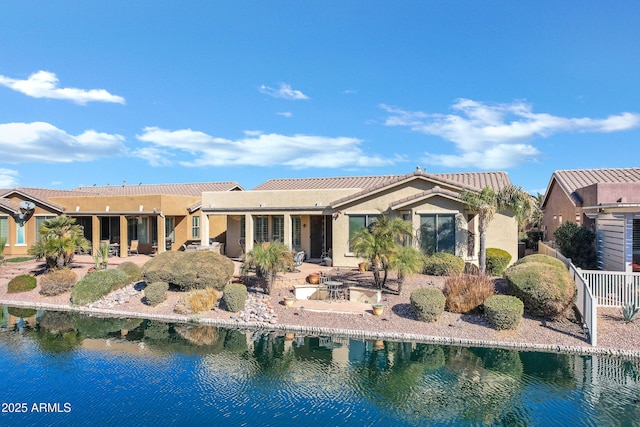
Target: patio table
334	288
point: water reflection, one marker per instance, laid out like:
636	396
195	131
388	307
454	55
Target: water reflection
278	377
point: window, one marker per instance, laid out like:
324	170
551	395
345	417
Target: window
277	228
296	228
243	230
195	227
20	239
170	229
138	229
4	228
357	223
438	233
261	229
39	221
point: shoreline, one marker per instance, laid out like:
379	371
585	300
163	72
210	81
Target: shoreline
340	332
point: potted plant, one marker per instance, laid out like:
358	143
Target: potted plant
288	301
377	308
314	278
362	266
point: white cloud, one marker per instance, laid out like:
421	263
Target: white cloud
44	84
8	178
287	114
494	136
284	91
295	151
43	142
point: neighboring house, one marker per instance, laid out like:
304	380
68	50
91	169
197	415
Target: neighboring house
319	215
160	216
607	200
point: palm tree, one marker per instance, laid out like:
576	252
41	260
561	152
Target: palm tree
60	237
268	259
408	261
379	244
487	202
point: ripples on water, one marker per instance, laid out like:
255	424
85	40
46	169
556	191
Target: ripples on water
132	372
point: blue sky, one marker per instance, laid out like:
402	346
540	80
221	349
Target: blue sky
104	92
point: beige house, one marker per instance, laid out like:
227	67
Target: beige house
607	200
318	215
159	216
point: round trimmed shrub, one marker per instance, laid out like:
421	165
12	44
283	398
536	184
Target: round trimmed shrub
189	270
503	311
21	283
546	290
497	260
57	282
132	269
443	264
427	303
545	259
234	297
96	285
156	293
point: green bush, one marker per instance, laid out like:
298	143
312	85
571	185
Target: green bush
101	327
96	285
427	303
504	311
532	239
545	259
21	312
57	282
21	283
546	290
155	293
497	260
443	264
578	243
133	271
234	297
189	270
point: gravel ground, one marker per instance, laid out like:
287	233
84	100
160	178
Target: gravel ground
614	336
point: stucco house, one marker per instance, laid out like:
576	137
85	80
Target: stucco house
318	215
160	216
608	200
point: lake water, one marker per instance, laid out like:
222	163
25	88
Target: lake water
69	369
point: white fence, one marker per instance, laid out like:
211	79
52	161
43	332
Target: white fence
586	302
614	288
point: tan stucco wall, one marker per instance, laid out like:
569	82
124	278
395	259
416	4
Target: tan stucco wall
11	248
272	199
558	209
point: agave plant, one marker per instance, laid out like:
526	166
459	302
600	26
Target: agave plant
629	311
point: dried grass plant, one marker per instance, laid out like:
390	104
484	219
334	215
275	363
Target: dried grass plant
465	293
202	300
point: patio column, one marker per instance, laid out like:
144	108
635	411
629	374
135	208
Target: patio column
287	230
248	232
204	235
124	237
161	244
95	232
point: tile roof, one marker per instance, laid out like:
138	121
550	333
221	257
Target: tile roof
470	180
474	181
424	194
42	194
9	205
572	180
186	189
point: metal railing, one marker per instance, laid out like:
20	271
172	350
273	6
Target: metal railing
614	288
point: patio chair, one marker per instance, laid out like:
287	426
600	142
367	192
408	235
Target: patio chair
133	247
298	258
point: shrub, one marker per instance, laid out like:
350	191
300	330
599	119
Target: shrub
533	237
443	264
504	311
21	312
545	259
155	293
546	290
201	300
578	243
189	270
427	303
465	293
21	283
96	285
235	295
57	282
132	269
497	260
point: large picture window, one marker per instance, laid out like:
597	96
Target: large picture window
4	228
261	229
277	228
359	222
39	221
438	233
296	228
